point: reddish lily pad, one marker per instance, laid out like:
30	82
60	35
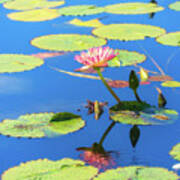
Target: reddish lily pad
47	54
160	78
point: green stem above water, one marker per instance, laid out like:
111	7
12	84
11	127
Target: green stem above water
107	86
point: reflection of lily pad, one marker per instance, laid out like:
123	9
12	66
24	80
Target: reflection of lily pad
175	6
171	84
67	42
171	39
128	31
40	125
127	58
18	63
133	8
136	113
31	4
65	169
80	10
89	23
175	152
34	15
138	173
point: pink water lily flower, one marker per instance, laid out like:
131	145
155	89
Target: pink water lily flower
95	57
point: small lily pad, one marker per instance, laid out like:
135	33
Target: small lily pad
175	6
18	63
175	152
171	84
80	10
160	78
170	39
41	125
133	8
34	15
127	58
65	169
136	113
67	42
138	173
89	23
31	4
128	32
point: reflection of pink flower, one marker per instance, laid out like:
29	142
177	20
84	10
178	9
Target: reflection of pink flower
99	160
95	57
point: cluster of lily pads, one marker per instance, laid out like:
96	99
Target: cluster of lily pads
94	60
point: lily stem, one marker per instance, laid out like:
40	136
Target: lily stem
107	86
137	96
106	133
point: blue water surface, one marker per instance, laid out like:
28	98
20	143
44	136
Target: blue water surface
46	90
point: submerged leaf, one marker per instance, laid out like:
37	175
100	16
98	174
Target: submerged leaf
67	42
160	78
45	55
65	169
122	84
89	23
171	84
31	4
80	10
170	39
34	15
41	125
18	63
133	8
138	173
128	32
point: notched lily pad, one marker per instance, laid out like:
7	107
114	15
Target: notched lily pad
89	23
175	152
41	125
53	170
67	42
175	6
80	10
127	58
133	8
128	32
34	15
171	84
18	63
170	39
138	173
31	4
136	113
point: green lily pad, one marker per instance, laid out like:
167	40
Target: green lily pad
31	4
175	6
41	125
138	173
133	8
18	63
80	10
67	42
136	113
171	84
65	169
89	23
175	152
34	15
128	32
127	58
170	39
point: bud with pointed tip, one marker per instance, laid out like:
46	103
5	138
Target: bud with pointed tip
143	75
161	99
133	81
